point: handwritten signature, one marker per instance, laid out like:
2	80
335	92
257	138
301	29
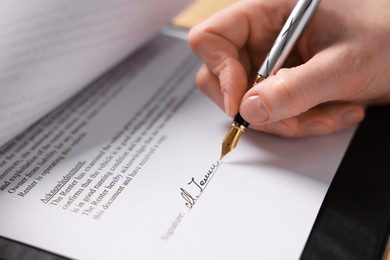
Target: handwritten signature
196	187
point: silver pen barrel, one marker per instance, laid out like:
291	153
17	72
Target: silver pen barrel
288	36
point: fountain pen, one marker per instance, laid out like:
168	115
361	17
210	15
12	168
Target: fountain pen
284	43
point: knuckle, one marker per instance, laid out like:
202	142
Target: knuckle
195	36
292	93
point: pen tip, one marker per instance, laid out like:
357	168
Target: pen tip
230	141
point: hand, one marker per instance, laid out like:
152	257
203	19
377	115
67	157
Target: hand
340	64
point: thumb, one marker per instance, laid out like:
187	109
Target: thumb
289	93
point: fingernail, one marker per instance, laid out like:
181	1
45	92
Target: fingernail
226	101
253	110
351	117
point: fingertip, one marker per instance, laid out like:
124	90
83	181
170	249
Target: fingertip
253	110
226	103
352	116
321	120
233	82
208	84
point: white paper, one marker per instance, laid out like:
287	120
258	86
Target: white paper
49	50
109	168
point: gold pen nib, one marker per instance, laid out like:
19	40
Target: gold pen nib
231	139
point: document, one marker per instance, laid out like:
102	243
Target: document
128	168
49	50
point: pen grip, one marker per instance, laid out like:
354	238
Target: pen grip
241	121
238	118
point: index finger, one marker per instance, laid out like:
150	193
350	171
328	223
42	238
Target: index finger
233	42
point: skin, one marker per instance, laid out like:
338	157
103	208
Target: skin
340	64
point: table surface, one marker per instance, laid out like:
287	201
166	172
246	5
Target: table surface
200	10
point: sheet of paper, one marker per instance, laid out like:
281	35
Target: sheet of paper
129	169
49	50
